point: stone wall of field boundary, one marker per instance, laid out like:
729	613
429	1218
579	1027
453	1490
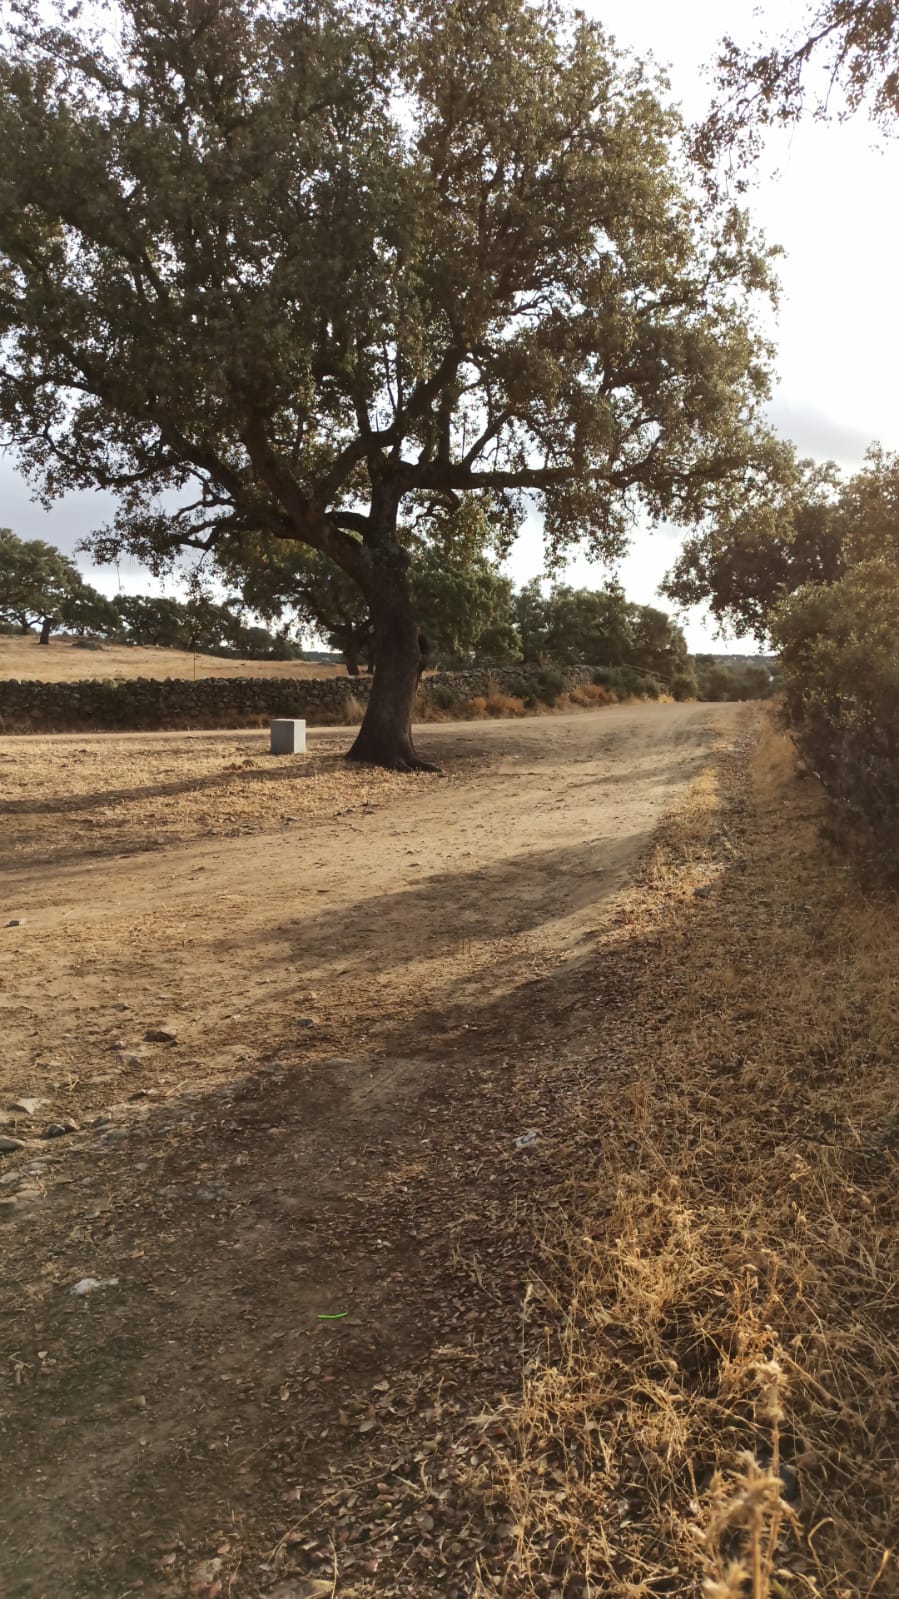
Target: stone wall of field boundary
145	703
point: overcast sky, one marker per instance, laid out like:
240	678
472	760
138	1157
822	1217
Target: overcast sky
825	193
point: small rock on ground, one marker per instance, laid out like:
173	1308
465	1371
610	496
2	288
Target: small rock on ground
26	1106
89	1285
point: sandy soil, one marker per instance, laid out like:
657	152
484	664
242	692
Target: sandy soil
349	989
63	661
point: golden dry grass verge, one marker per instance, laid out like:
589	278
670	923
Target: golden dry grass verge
709	1403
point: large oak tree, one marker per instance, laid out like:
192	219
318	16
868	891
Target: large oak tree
297	268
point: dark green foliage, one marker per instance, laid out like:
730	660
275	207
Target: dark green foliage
717	683
718	680
86	611
521	688
742	565
462	600
567	626
570	626
638	684
684	686
810	531
464	607
549	685
150	620
37	584
840	652
444	698
656	644
202	625
628	682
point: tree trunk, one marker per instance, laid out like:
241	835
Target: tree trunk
46	630
385	737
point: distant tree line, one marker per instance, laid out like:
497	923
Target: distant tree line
470	612
42	588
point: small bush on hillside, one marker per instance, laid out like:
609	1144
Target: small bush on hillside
521	688
684	687
641	684
839	648
589	694
627	682
549	686
441	697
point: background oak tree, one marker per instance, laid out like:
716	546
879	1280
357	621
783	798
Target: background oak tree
807	534
40	586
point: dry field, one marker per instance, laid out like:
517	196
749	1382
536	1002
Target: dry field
505	1204
73	797
61	661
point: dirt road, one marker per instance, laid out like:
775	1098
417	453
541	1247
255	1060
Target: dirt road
343	1004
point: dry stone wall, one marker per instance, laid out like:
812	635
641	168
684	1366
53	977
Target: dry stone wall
122	704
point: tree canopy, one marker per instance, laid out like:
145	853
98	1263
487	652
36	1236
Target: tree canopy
814	529
38	584
599	626
853	44
461	599
285	271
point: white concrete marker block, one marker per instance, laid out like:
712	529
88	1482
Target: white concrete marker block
288	738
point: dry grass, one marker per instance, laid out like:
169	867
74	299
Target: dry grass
64	798
710	1395
471	710
353	712
62	661
481	707
505	705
